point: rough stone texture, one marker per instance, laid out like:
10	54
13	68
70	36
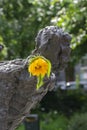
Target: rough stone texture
18	94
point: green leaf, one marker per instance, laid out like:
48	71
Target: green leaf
39	81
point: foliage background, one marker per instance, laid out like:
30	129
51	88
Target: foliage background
21	20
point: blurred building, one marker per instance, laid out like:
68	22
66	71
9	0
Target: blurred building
81	69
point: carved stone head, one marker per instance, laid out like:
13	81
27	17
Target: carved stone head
54	44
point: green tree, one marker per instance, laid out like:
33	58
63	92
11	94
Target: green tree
20	21
72	17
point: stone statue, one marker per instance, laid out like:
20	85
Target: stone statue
18	94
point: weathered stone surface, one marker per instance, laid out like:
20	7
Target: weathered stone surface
18	94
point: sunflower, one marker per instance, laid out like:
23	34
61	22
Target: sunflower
39	66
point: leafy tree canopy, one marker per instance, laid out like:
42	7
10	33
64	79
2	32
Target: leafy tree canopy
20	21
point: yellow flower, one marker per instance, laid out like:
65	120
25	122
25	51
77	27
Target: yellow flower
39	66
